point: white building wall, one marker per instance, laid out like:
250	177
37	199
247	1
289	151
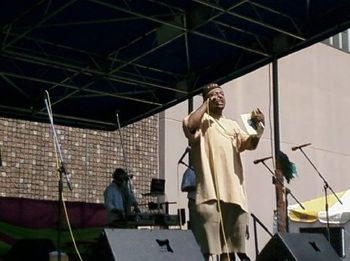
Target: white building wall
314	96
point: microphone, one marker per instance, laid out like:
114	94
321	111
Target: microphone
300	146
183	155
261	160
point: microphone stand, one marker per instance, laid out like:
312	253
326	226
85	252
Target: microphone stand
185	164
128	180
287	192
62	172
325	187
0	157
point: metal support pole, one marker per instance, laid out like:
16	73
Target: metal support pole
280	202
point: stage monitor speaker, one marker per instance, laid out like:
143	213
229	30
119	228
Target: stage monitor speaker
337	237
30	249
298	247
147	245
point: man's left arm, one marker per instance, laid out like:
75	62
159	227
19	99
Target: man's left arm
254	139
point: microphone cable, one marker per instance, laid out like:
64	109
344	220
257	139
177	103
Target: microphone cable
217	190
63	199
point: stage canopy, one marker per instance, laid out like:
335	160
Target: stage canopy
339	212
134	58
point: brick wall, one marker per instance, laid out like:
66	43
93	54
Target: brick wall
29	168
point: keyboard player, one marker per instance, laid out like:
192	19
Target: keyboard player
119	199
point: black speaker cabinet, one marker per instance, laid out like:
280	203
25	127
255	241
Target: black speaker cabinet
298	247
147	245
337	238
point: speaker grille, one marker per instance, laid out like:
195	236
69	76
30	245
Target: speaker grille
152	245
298	247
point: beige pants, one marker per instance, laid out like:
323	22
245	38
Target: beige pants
234	221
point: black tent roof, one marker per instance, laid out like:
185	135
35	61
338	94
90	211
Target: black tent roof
138	57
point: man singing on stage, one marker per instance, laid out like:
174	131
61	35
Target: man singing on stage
221	197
